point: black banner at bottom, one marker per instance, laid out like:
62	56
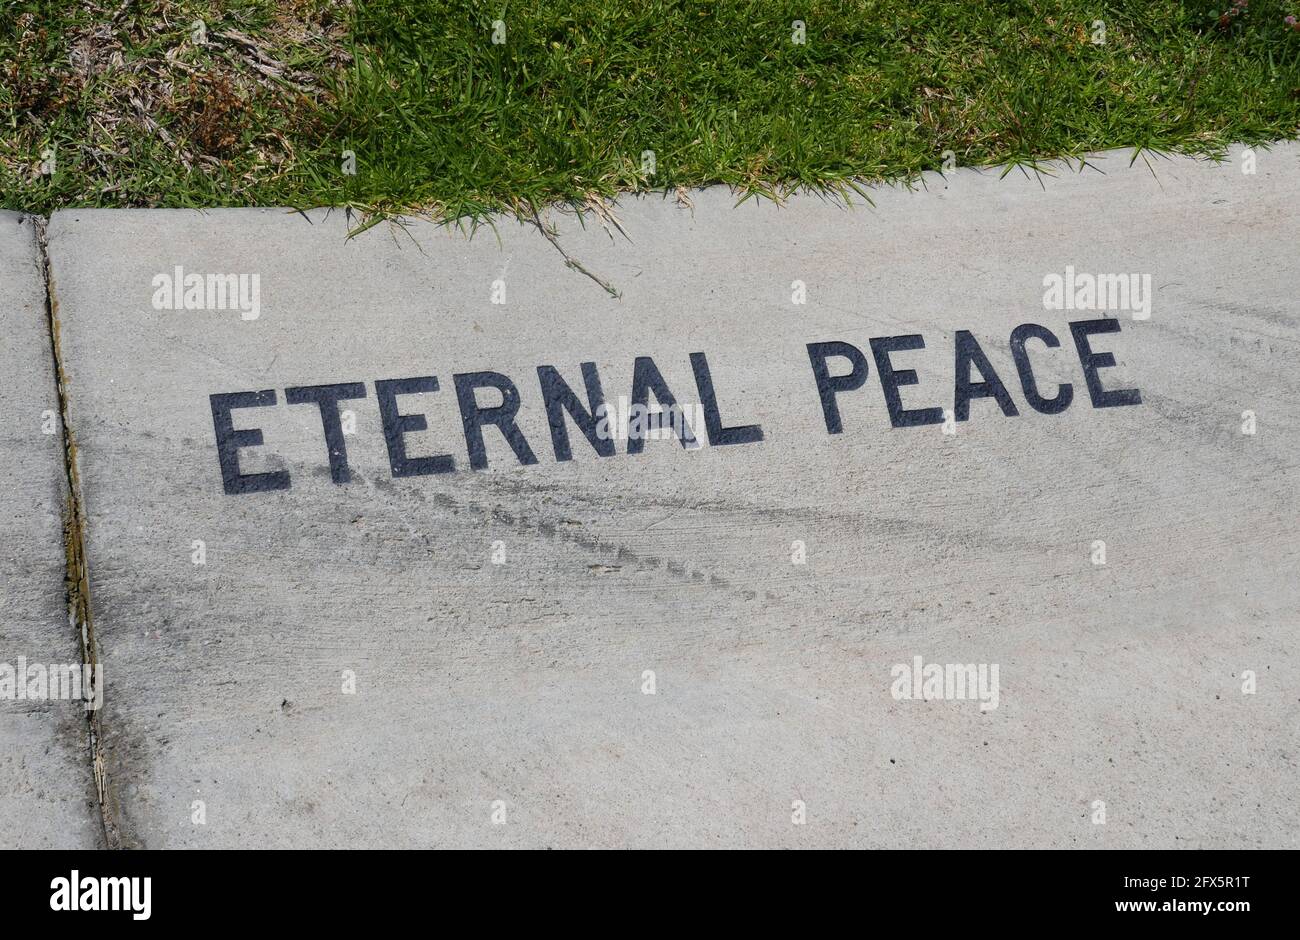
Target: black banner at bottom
337	889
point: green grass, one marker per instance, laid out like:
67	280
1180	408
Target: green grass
442	120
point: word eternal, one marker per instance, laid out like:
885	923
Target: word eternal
564	407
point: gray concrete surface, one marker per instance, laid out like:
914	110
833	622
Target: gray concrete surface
517	690
46	791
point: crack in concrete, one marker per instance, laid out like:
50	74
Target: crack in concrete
76	577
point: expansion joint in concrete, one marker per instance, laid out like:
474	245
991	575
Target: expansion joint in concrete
76	575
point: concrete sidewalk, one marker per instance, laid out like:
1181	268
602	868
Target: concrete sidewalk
47	799
338	607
